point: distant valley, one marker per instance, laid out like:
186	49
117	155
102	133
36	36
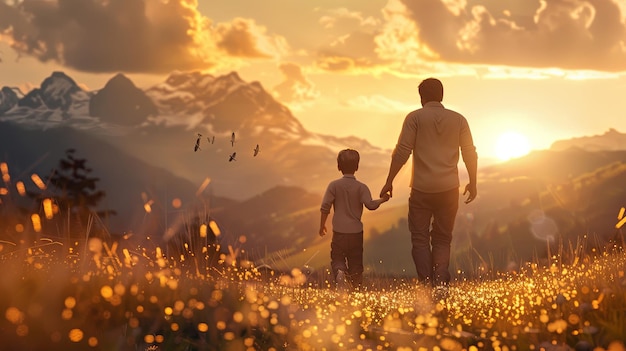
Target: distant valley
140	144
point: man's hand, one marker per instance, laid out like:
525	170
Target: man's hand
471	189
322	231
387	190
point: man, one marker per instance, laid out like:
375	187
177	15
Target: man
434	135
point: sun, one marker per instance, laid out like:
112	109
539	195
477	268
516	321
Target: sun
511	145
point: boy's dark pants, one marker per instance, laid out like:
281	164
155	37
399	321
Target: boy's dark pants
346	253
431	245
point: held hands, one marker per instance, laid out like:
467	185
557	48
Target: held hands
387	190
385	197
471	189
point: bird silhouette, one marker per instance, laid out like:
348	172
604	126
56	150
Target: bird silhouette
197	147
256	150
232	157
232	139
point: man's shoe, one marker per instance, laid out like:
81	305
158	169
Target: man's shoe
342	281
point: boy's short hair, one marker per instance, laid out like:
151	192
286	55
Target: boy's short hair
348	161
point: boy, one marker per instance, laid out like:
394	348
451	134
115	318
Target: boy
348	196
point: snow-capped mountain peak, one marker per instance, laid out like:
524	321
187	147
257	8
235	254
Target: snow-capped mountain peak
57	92
8	99
220	104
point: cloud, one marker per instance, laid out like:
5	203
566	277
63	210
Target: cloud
244	38
568	34
353	51
379	103
141	36
336	17
296	87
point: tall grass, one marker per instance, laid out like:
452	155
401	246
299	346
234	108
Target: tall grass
82	292
96	295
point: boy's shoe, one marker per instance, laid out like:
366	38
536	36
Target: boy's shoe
441	293
342	281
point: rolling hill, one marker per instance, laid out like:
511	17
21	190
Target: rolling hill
140	143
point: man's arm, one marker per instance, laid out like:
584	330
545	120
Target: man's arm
472	166
470	158
323	218
394	168
404	148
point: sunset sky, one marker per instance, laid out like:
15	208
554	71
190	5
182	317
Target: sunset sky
533	70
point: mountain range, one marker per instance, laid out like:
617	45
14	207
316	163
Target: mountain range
141	144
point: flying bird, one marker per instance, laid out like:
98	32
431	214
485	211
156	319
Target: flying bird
212	141
232	157
256	150
197	147
232	139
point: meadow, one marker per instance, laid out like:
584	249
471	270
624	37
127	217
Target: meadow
99	295
68	284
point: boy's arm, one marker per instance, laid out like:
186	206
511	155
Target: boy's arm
327	203
374	204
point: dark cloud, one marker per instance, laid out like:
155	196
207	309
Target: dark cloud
110	35
569	34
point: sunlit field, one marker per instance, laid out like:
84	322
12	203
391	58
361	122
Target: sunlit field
92	291
96	296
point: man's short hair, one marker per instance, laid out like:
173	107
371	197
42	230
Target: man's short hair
431	89
348	161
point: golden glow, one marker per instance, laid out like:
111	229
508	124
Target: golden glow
36	222
47	208
92	341
620	223
21	189
70	302
14	315
106	292
76	335
511	145
4	169
621	218
203	186
214	228
203	230
148	206
38	182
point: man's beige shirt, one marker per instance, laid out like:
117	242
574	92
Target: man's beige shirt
434	135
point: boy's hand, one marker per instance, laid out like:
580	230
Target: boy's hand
322	231
387	190
385	197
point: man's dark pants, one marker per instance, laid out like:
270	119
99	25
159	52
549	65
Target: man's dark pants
431	244
346	253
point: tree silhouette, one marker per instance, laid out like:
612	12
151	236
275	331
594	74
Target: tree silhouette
75	192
